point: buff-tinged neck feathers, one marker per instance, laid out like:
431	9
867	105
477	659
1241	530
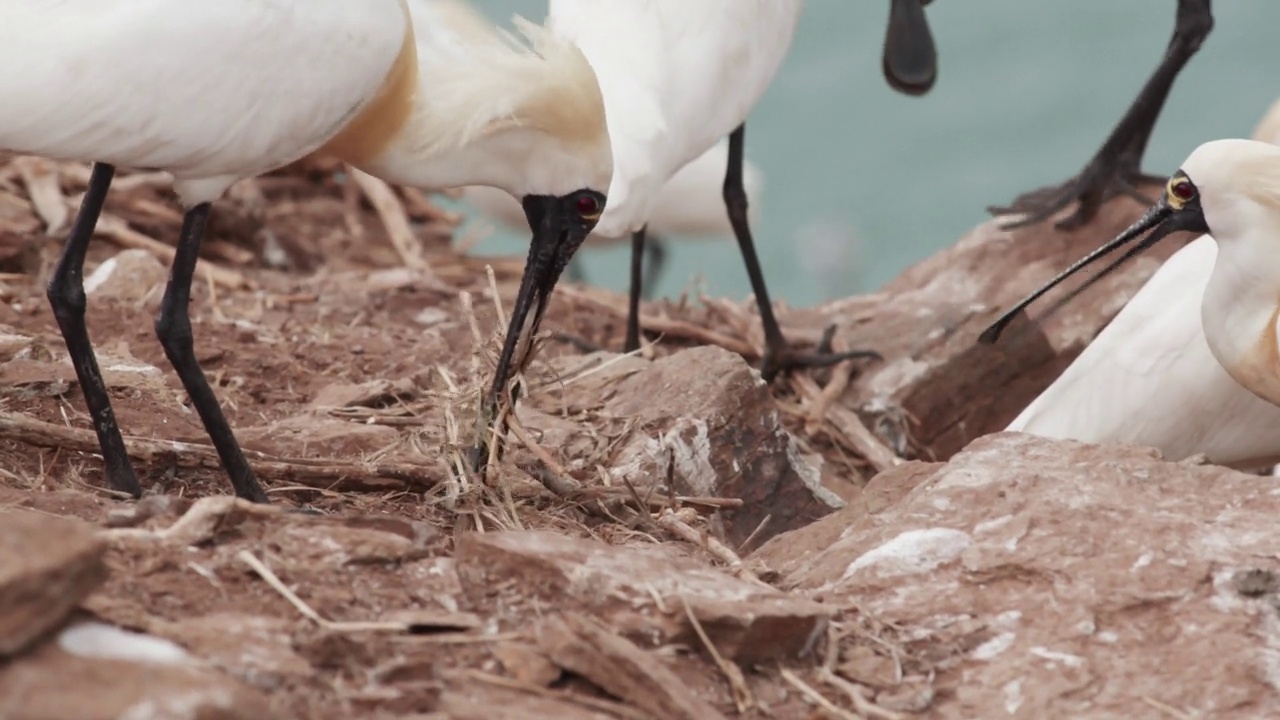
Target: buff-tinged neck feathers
1258	370
383	117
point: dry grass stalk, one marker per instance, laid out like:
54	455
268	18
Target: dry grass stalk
313	472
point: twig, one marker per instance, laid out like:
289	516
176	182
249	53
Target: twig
307	611
120	232
860	702
745	545
394	218
315	472
742	697
41	178
668	520
594	703
559	481
667	326
816	697
1167	709
850	426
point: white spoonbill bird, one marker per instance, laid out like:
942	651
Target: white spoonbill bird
1117	166
689	204
678	76
1150	378
220	91
1230	189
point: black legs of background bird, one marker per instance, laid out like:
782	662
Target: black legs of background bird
66	296
1117	167
778	356
173	327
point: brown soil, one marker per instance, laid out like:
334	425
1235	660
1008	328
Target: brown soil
324	304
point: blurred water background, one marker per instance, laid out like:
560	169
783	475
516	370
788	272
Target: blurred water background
861	182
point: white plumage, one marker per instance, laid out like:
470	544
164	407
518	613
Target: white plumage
210	91
677	77
690	204
1151	378
215	92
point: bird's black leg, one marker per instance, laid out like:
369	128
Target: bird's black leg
173	327
66	296
778	355
1117	166
637	285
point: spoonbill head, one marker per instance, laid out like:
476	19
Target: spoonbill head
688	205
1231	189
526	118
1150	377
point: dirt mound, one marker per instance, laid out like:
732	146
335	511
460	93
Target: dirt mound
604	567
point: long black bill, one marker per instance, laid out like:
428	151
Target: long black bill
910	59
556	236
1162	220
549	253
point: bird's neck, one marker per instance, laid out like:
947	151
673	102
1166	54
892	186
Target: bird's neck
1239	313
493	116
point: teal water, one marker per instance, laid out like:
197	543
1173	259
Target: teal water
861	182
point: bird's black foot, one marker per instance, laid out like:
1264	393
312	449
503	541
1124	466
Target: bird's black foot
1090	190
779	359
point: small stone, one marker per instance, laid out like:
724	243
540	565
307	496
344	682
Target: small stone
745	621
94	671
48	565
129	276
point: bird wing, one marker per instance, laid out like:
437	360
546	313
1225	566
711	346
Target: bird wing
1150	379
198	88
677	76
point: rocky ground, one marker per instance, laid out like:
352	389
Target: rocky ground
664	537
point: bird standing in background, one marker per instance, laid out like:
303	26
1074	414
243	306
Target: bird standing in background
678	76
1117	166
1165	374
405	101
688	205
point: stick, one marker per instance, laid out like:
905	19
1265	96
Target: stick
41	178
123	235
860	702
669	521
667	326
312	472
742	697
394	218
850	426
816	697
307	611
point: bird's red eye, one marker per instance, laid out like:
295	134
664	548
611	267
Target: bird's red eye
588	206
1182	189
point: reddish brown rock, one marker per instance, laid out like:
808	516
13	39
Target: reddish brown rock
708	414
48	565
97	672
1058	579
637	589
586	648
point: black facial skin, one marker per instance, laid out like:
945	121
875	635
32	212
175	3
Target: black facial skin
910	61
1179	209
559	225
